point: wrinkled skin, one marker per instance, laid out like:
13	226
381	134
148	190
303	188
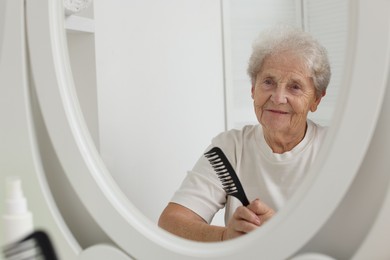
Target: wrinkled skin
247	219
283	94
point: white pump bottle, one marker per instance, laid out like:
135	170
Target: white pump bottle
17	219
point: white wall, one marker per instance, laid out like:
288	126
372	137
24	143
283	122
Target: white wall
160	92
332	33
2	17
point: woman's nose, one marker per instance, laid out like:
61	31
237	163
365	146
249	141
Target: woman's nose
279	95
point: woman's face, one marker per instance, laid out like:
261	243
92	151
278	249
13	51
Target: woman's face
284	93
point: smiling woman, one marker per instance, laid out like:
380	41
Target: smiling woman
283	95
272	160
290	72
318	216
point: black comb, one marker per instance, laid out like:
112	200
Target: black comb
225	172
36	245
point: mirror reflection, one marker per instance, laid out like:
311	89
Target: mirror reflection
168	82
289	72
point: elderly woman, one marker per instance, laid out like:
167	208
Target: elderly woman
290	72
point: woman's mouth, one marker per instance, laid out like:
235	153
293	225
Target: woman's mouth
277	111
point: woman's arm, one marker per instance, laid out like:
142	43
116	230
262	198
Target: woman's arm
185	223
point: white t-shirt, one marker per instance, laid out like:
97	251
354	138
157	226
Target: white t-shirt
271	177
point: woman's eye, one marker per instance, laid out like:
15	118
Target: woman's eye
295	87
268	81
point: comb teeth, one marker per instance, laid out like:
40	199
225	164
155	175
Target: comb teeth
222	172
36	245
226	174
23	250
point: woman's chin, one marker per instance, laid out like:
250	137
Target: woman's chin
276	124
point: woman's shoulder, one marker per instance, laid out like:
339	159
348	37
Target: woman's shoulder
232	141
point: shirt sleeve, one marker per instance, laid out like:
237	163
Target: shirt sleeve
201	191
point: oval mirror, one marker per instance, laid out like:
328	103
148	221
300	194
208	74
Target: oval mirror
124	222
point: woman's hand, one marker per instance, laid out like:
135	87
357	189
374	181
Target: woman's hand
247	219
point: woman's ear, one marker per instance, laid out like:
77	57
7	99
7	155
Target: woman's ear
315	104
252	91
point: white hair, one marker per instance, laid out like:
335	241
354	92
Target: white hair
281	39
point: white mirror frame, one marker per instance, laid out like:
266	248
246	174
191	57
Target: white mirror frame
294	225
